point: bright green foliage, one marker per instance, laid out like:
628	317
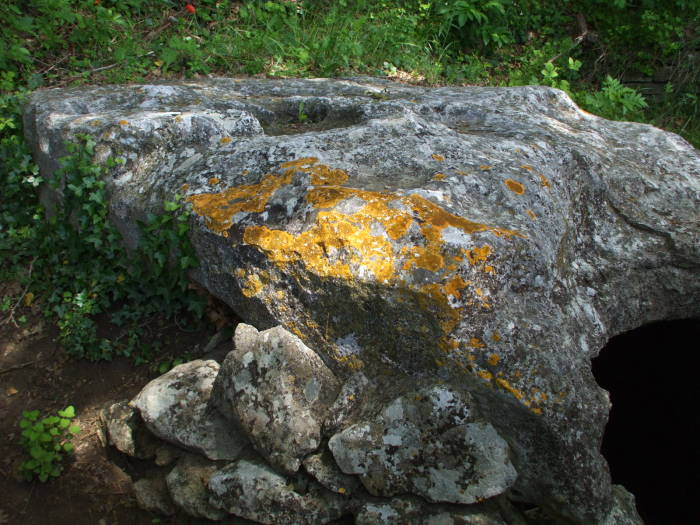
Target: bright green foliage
79	267
615	101
46	440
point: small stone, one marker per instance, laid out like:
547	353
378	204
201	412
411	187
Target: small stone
322	467
124	429
152	495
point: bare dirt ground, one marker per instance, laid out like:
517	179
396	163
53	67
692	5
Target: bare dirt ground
35	373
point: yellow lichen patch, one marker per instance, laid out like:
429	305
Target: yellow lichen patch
178	118
531	214
96	122
475	342
496	337
527	167
219	208
323	175
123	122
454	285
299	163
514	186
280	294
485	374
484	167
478	255
505	385
536	411
489	269
225	140
334	244
423	257
494	359
184	187
214	180
437	157
463	173
252	285
439	176
544	181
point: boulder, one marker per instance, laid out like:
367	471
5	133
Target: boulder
176	408
429	443
279	391
403	510
491	238
253	490
152	495
187	485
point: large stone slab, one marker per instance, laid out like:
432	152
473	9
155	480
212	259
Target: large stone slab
493	238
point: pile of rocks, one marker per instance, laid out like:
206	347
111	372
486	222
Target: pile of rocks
273	436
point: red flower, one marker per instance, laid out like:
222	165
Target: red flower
190	9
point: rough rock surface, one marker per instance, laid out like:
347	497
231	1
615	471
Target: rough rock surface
252	490
152	495
125	431
400	511
187	485
176	408
279	390
429	443
493	238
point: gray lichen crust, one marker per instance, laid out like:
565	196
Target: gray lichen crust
490	238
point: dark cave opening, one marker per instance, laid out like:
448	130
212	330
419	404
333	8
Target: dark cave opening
651	441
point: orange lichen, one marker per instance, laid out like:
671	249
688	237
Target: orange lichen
123	122
505	385
454	285
514	186
437	157
184	187
494	359
531	214
544	181
219	208
423	257
527	167
225	140
484	167
439	176
485	374
178	118
478	255
496	336
475	342
214	180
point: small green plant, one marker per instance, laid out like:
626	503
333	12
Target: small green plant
615	101
46	440
301	115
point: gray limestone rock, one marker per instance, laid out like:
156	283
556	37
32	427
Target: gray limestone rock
494	238
429	443
152	495
187	485
125	430
176	408
252	490
279	390
412	511
323	468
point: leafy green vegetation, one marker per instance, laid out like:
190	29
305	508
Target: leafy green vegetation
584	47
46	440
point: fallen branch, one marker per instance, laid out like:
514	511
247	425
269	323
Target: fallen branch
17	367
11	316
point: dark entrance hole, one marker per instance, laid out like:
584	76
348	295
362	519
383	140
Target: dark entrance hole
651	441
